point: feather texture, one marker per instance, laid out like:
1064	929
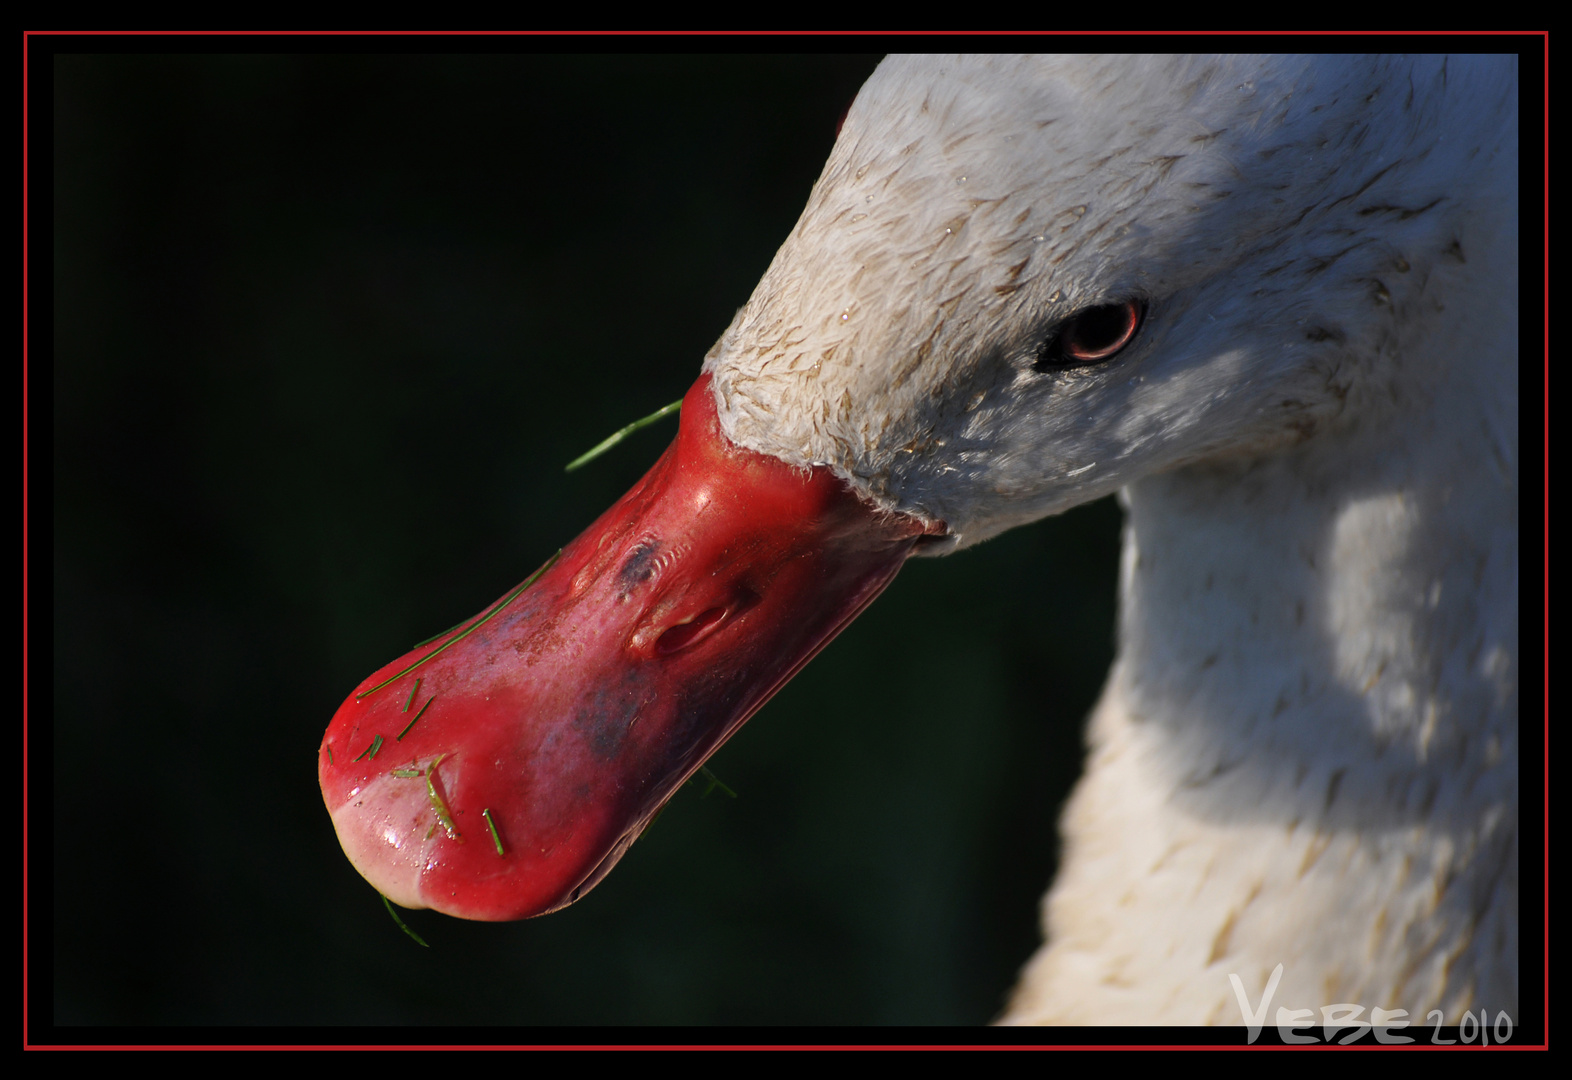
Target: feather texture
1306	752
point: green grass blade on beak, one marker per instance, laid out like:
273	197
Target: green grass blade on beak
616	437
418	939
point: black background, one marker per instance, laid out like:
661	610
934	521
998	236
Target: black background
326	328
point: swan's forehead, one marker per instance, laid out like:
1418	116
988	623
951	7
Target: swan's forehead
968	204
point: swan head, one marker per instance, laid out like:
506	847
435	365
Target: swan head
1239	241
1019	284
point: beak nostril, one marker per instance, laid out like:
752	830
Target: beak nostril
682	635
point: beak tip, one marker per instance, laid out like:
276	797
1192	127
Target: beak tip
374	829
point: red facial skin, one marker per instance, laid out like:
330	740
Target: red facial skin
575	710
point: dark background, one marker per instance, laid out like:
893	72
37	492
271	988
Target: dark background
326	329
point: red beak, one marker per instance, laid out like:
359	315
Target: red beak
500	771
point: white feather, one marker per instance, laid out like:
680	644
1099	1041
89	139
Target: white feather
1306	752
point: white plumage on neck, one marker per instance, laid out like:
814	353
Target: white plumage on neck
1306	753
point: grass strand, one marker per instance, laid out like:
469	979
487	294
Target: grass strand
418	939
715	782
492	825
617	436
400	736
476	625
439	807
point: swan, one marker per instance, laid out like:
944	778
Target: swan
1271	302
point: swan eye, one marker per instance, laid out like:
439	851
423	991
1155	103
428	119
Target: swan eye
1091	336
